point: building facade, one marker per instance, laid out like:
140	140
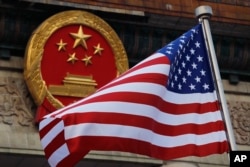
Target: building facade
143	27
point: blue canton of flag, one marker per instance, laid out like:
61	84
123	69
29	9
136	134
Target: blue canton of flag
189	71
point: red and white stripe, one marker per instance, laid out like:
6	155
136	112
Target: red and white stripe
136	113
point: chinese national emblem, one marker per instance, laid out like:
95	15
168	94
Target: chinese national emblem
68	57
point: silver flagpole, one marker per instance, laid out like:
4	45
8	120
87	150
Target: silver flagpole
203	13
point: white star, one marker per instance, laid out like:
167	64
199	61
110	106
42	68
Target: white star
200	58
205	86
197	44
183	64
203	73
169	52
188	58
172	84
179	86
179	71
192	87
183	37
198	79
193	30
194	66
192	51
189	73
184	80
175	78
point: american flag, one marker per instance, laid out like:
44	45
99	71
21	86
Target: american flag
165	107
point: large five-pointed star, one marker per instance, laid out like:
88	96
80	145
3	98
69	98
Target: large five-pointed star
80	38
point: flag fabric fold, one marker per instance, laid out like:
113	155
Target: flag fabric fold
165	107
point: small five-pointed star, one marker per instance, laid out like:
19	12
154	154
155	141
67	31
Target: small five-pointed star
87	60
98	49
72	58
61	45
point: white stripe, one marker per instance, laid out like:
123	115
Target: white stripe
57	156
145	111
52	133
92	129
178	98
158	68
149	58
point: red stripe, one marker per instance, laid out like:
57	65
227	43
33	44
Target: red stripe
145	148
142	122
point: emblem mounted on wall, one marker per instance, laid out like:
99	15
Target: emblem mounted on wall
68	57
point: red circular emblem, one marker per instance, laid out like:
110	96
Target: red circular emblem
69	57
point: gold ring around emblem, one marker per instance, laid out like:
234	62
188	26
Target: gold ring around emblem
35	49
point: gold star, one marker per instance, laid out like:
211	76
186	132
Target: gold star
72	58
87	60
61	45
98	49
80	38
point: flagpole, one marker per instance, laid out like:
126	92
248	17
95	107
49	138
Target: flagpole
203	13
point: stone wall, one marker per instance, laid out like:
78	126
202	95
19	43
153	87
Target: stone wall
238	99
